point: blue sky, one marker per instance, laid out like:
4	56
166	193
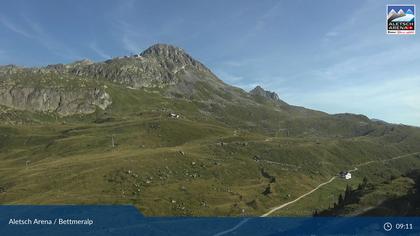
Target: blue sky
332	56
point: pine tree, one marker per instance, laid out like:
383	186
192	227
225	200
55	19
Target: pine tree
340	200
347	194
364	182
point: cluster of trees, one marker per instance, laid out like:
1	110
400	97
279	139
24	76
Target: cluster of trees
406	205
349	196
364	185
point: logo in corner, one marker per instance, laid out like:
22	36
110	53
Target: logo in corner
401	19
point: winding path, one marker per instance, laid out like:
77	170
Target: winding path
310	192
297	199
332	179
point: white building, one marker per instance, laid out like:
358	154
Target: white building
345	175
173	115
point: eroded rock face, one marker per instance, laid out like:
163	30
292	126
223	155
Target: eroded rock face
77	88
264	93
157	66
54	99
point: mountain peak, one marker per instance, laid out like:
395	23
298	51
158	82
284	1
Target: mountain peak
259	91
159	65
168	54
161	49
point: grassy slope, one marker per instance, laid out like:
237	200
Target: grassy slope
169	166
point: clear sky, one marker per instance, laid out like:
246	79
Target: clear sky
327	55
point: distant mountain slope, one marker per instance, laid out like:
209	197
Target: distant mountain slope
83	87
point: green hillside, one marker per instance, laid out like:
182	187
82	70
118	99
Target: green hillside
229	152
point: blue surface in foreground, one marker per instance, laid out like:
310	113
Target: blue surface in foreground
127	220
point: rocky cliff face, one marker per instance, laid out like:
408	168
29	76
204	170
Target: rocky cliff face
54	99
271	96
160	66
157	66
258	91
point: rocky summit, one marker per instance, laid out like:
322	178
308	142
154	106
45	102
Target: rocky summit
78	87
258	91
157	66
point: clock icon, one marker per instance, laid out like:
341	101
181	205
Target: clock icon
387	226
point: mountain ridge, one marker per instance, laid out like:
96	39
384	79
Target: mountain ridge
164	67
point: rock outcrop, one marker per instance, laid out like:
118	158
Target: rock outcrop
157	66
54	99
258	91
